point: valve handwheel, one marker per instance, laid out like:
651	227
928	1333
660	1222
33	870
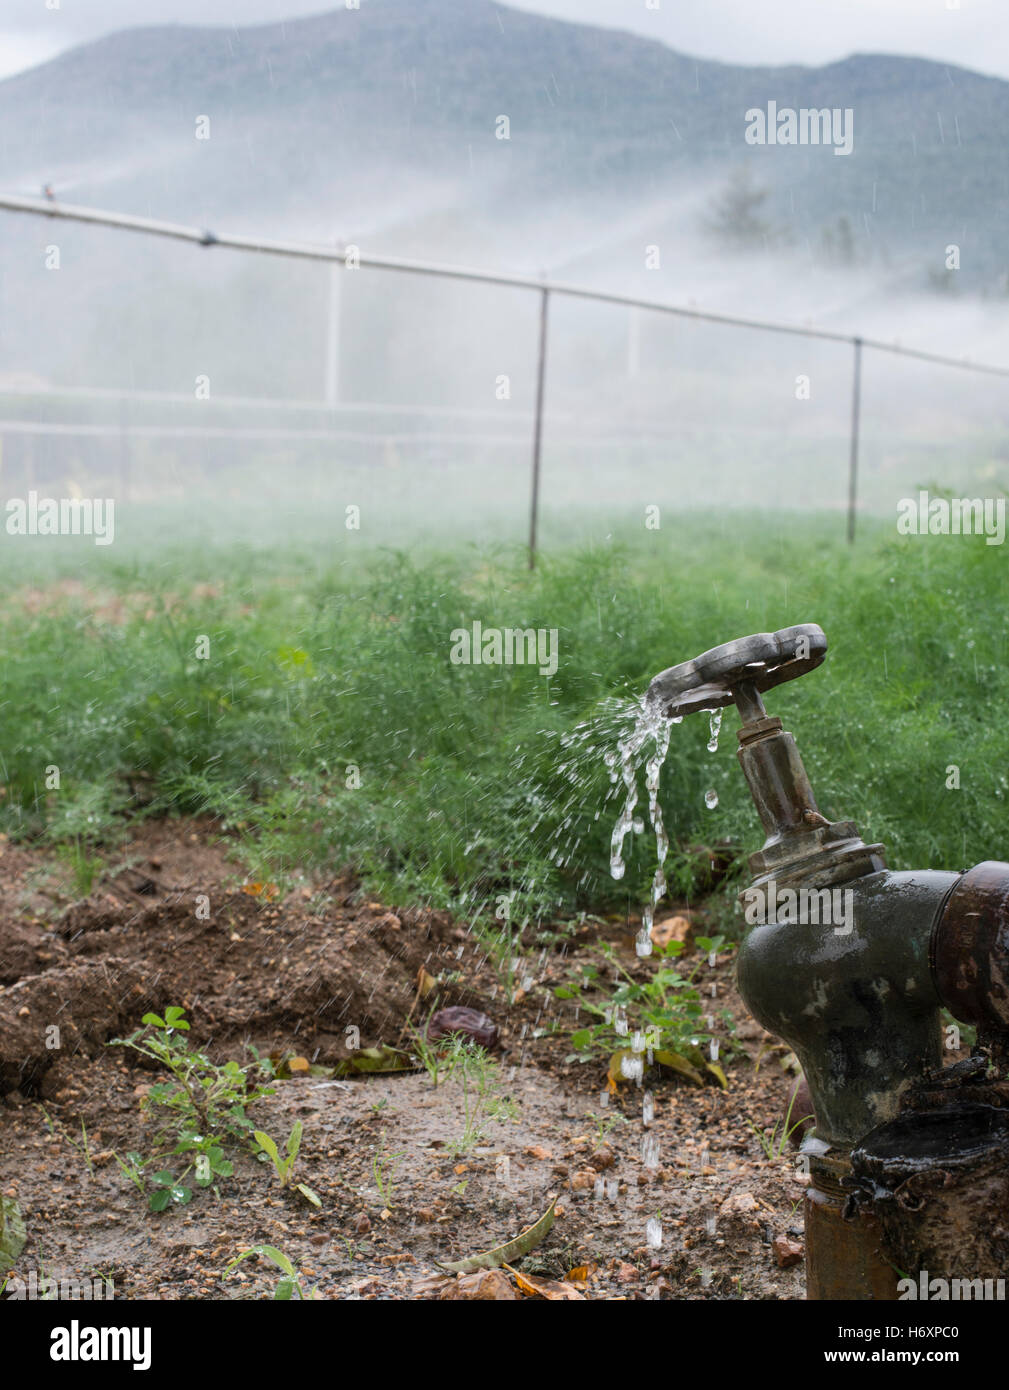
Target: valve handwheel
737	671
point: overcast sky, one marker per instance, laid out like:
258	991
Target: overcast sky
970	33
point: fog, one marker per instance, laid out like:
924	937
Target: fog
204	379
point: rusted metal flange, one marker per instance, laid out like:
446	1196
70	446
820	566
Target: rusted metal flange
969	953
938	1183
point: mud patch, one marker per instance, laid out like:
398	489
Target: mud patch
404	1180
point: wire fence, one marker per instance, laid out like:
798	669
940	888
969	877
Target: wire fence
363	425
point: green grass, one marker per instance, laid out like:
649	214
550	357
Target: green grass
466	792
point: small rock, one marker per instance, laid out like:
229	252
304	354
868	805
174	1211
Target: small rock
482	1284
786	1252
470	1022
361	1224
738	1203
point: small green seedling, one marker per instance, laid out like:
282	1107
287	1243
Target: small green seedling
604	1123
168	1191
284	1166
288	1288
383	1167
772	1142
202	1097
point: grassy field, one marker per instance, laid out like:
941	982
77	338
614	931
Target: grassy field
319	662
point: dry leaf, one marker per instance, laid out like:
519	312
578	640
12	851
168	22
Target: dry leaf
261	890
671	929
551	1289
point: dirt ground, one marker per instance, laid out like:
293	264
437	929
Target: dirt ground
174	922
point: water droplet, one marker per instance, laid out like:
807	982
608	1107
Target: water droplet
711	799
650	1151
632	1069
715	724
653	1233
647	1109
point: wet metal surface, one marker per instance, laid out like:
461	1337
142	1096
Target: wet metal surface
859	1001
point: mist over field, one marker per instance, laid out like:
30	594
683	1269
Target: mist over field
621	165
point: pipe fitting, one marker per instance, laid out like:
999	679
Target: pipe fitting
857	1004
969	952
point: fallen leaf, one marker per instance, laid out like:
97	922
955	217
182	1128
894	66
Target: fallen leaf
425	982
376	1059
261	890
551	1289
12	1231
671	929
678	1063
511	1250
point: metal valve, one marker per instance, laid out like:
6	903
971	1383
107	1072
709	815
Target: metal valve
738	672
801	845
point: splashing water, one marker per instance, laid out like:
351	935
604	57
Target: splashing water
632	1069
650	728
653	1233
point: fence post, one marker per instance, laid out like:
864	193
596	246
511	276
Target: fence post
332	382
856	402
538	426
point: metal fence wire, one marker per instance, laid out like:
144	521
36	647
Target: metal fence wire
433	426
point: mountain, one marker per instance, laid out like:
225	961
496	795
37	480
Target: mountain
381	125
324	119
